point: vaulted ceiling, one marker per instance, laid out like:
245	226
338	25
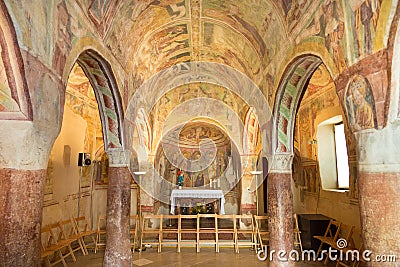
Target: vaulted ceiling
148	36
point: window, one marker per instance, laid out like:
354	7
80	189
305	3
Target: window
342	161
332	154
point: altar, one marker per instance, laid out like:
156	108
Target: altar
193	193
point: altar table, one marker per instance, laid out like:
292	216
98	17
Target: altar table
197	193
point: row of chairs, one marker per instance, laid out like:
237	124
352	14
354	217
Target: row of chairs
203	229
62	239
100	240
209	229
341	237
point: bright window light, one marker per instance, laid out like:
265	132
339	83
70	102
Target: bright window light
342	164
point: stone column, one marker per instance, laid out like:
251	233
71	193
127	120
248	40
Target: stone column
379	191
21	200
118	250
280	210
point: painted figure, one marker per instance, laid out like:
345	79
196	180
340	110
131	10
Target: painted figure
181	178
360	104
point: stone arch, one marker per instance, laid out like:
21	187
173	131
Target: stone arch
15	104
288	98
105	87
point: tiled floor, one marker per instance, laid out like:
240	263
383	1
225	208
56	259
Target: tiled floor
188	257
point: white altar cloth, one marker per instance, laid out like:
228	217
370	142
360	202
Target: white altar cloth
197	193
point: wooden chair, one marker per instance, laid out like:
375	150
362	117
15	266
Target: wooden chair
68	232
151	228
84	231
330	236
207	225
352	245
226	226
52	247
188	224
297	233
245	228
133	230
262	233
170	231
100	233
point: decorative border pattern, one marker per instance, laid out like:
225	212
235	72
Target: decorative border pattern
288	98
101	77
14	69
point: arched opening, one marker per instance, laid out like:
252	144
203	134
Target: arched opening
91	125
223	170
307	101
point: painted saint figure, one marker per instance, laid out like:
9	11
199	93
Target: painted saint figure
180	178
360	104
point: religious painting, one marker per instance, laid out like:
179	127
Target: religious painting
360	105
14	96
132	25
328	23
362	19
101	13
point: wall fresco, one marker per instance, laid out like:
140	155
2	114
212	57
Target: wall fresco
360	104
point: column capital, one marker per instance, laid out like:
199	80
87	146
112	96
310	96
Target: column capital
118	157
281	163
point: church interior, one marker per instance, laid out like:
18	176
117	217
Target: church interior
157	117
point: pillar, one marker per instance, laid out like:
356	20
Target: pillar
21	200
379	191
280	210
118	250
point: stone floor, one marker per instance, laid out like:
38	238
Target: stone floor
188	257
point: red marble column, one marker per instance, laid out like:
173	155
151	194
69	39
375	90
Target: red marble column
118	250
380	214
21	204
280	210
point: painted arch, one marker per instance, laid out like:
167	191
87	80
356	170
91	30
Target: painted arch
102	79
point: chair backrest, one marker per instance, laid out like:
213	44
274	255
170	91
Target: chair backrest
212	221
101	222
261	223
81	224
226	221
346	233
245	222
67	228
47	236
333	229
152	222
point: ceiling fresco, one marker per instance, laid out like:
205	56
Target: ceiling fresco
149	36
168	102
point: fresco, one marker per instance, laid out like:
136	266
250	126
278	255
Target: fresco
165	48
189	138
186	92
223	45
14	96
135	23
328	23
360	104
250	32
294	10
362	20
320	95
